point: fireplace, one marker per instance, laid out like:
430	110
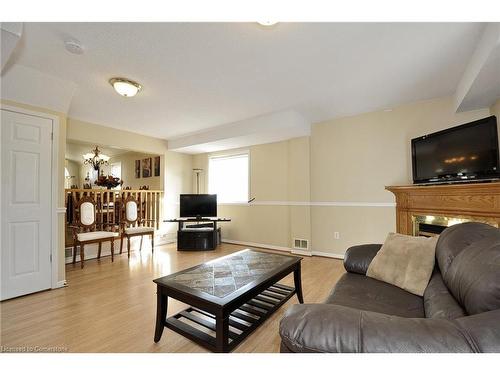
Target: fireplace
428	210
430	225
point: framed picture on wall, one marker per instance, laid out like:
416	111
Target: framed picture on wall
146	168
157	165
137	169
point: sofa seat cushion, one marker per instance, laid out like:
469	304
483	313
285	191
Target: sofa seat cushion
136	230
90	236
364	293
439	302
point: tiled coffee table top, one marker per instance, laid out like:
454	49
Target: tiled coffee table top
223	276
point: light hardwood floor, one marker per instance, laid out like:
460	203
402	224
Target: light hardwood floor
110	307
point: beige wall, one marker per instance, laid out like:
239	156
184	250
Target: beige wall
101	134
178	180
342	169
337	163
495	109
127	161
70	129
299	187
354	158
279	173
139	145
176	168
74	172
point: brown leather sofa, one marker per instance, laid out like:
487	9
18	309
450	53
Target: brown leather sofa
459	312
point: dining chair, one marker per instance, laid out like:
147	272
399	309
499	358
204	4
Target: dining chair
133	225
85	230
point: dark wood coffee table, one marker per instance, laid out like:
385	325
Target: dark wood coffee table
229	297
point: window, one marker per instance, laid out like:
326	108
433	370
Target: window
228	178
67	178
116	171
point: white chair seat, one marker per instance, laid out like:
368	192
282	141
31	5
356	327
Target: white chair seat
135	230
89	236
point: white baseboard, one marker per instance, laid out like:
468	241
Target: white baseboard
283	248
161	240
255	244
328	255
169	237
301	252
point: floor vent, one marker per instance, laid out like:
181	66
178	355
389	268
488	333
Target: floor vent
300	244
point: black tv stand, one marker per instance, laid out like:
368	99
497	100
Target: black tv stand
204	235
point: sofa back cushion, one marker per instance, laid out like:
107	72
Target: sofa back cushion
438	301
468	256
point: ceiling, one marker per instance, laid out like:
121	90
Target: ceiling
202	75
486	87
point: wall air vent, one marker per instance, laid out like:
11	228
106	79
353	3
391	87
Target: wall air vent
300	244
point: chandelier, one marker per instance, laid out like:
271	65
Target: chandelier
95	158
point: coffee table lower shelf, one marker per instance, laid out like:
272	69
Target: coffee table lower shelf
200	326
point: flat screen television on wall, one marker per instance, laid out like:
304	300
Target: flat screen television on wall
467	152
198	205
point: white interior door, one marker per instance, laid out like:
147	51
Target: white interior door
26	169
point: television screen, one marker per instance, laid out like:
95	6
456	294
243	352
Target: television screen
465	152
198	205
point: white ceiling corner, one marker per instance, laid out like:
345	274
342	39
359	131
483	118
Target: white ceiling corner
268	128
30	86
479	86
10	33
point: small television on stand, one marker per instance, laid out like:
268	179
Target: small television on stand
464	153
198	205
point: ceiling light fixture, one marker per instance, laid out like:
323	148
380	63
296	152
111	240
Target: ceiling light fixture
125	87
95	158
267	23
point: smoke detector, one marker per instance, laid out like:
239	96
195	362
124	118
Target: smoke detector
74	47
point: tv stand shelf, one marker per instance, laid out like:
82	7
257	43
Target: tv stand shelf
204	235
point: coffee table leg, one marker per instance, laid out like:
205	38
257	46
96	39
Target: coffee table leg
298	283
161	313
222	334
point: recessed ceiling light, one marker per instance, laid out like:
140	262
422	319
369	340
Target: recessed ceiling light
125	87
267	23
73	46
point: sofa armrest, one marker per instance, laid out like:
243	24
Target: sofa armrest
358	258
324	328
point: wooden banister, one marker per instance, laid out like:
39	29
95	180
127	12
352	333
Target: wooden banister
109	204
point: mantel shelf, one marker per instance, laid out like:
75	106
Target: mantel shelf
473	201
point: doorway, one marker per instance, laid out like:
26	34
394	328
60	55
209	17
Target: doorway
26	203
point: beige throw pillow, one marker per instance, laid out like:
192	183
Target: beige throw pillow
405	261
